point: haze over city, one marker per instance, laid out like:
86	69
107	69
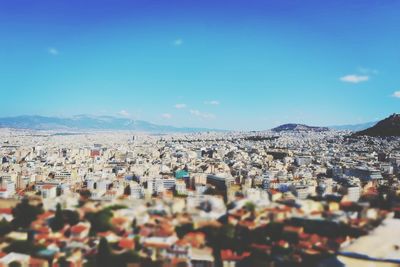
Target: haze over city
202	63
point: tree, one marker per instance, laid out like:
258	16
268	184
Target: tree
127	190
125	258
104	255
184	229
71	217
100	221
25	213
15	264
59	191
5	227
138	244
250	207
85	194
57	223
24	247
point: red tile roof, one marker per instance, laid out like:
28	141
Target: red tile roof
48	186
126	243
229	255
5	211
77	229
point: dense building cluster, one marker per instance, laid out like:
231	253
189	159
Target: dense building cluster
289	198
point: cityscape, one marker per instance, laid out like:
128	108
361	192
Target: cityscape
199	133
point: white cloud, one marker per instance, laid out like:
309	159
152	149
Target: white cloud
212	102
202	115
124	113
354	78
53	51
178	42
396	94
180	106
166	116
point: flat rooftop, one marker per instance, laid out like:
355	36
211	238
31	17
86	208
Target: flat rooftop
382	244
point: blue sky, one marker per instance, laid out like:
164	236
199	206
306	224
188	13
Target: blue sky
226	64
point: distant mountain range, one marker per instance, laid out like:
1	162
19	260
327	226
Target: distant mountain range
86	122
384	128
353	127
294	127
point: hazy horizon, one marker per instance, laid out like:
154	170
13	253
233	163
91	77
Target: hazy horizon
119	116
